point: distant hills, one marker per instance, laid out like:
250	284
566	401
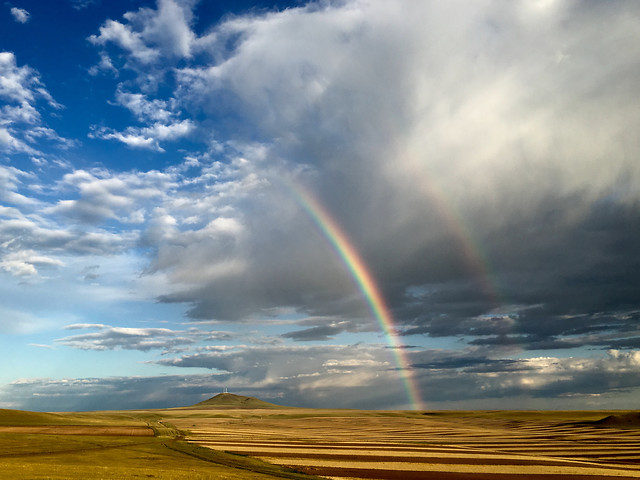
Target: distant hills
624	420
21	417
230	400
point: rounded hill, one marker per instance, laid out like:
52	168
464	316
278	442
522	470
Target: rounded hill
230	400
623	420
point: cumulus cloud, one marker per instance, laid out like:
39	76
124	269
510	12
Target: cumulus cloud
25	233
10	143
104	195
21	85
143	108
21	123
27	262
20	14
34	240
147	137
150	37
11	179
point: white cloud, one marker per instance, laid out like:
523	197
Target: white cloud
45	237
151	36
143	339
20	14
85	326
135	140
168	26
104	195
10	181
104	65
21	84
27	262
116	32
147	137
21	123
33	134
144	109
11	144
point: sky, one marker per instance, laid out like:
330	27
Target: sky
335	203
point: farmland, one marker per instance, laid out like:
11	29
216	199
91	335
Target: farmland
236	439
445	445
113	445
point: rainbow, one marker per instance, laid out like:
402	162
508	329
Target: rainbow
477	263
367	285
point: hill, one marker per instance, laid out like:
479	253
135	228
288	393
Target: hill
21	417
624	420
230	400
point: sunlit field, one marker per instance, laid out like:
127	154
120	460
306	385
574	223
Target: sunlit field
231	440
113	445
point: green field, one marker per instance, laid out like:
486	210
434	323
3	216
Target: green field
115	445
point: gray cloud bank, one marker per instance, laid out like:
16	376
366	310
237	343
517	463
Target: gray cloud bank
340	379
479	157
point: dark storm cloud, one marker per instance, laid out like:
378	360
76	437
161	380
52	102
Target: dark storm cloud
516	227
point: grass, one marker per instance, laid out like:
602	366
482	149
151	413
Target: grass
19	417
163	456
110	459
230	400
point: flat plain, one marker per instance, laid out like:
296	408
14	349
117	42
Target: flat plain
233	438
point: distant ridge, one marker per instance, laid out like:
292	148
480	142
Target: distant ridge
22	417
624	420
230	400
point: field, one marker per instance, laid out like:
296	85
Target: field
233	441
446	445
114	445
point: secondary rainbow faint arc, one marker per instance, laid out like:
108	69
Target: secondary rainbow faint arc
366	283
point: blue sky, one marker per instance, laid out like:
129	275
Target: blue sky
480	158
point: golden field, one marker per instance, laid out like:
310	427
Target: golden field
232	439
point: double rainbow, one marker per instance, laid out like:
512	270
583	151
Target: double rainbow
367	285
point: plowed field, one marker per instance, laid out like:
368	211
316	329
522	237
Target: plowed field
456	446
